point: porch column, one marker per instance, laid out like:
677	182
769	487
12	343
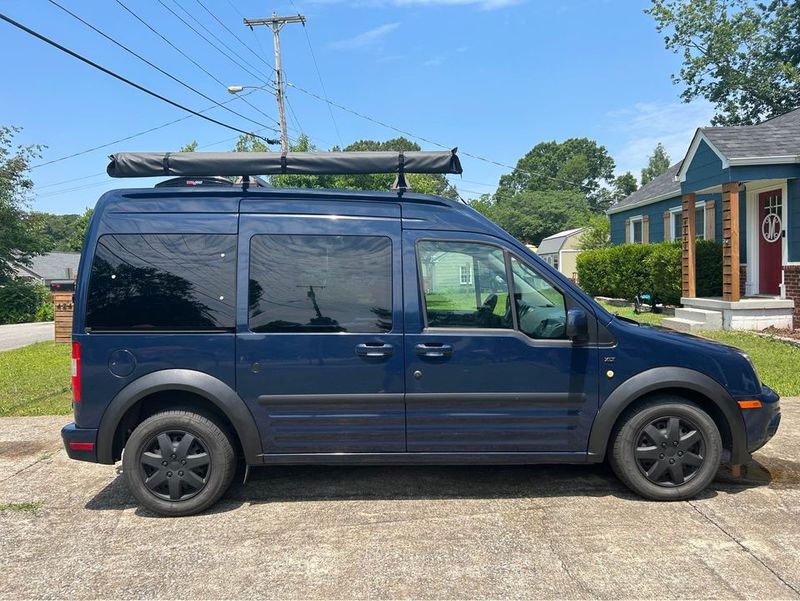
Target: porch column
688	281
730	242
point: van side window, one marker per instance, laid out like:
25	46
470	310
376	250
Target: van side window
163	282
464	285
305	283
541	309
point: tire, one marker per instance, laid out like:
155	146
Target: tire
178	463
647	459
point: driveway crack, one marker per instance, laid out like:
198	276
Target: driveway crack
742	546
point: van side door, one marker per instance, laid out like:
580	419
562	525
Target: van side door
487	371
320	334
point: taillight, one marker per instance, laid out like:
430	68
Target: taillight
76	372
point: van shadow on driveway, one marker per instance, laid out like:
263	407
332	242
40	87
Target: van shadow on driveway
285	484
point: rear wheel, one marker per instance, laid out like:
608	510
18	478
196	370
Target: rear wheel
178	463
667	450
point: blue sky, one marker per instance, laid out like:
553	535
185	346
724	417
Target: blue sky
493	77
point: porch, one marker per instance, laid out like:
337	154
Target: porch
758	292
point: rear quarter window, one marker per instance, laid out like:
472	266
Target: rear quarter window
163	282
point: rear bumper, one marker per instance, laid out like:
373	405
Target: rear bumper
80	443
762	423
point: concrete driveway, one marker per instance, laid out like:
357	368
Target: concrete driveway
22	334
411	532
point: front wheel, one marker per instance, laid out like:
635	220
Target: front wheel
667	450
178	463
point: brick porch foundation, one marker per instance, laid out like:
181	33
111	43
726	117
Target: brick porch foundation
791	285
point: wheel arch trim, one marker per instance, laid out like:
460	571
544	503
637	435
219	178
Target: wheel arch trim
665	378
212	389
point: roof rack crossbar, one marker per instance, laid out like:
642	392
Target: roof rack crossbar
208	164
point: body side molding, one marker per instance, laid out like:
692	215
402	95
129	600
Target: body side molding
663	378
202	384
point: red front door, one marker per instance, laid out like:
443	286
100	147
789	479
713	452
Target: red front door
770	241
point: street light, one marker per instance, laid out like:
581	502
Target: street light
237	89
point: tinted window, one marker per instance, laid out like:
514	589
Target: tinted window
541	310
163	281
464	285
320	284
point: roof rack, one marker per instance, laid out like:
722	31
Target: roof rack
190	181
215	164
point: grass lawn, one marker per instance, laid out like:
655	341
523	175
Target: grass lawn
777	363
34	380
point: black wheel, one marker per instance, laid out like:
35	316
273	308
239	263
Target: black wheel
178	463
667	450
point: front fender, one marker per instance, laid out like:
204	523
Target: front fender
202	384
663	378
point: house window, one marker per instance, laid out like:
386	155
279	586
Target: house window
676	224
636	230
700	220
465	275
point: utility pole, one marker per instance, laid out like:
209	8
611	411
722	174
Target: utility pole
277	24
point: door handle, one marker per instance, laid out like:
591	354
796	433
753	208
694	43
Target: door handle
374	349
434	350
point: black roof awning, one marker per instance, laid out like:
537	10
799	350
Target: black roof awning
208	164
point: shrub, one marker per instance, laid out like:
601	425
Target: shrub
625	270
45	312
19	300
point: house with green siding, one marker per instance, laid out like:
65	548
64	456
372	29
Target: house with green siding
739	186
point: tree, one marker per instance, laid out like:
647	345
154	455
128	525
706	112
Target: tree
578	165
597	234
532	216
624	185
742	56
190	147
657	163
20	234
80	227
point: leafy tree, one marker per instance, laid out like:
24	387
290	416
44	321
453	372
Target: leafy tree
249	143
532	216
597	234
20	233
742	56
79	229
578	165
624	185
657	163
190	147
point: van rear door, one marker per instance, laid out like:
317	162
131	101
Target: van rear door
320	325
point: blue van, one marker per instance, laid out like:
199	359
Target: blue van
223	324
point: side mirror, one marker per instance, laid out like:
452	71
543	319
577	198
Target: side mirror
577	325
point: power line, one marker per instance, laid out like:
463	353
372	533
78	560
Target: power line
429	141
319	76
240	40
189	58
213	35
126	138
139	87
154	66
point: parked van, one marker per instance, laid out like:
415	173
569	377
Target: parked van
216	324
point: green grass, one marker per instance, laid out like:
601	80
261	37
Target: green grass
30	507
653	319
34	380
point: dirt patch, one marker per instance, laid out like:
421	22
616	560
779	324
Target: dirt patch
21	448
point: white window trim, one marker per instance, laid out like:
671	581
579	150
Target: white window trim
465	281
674	214
631	221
